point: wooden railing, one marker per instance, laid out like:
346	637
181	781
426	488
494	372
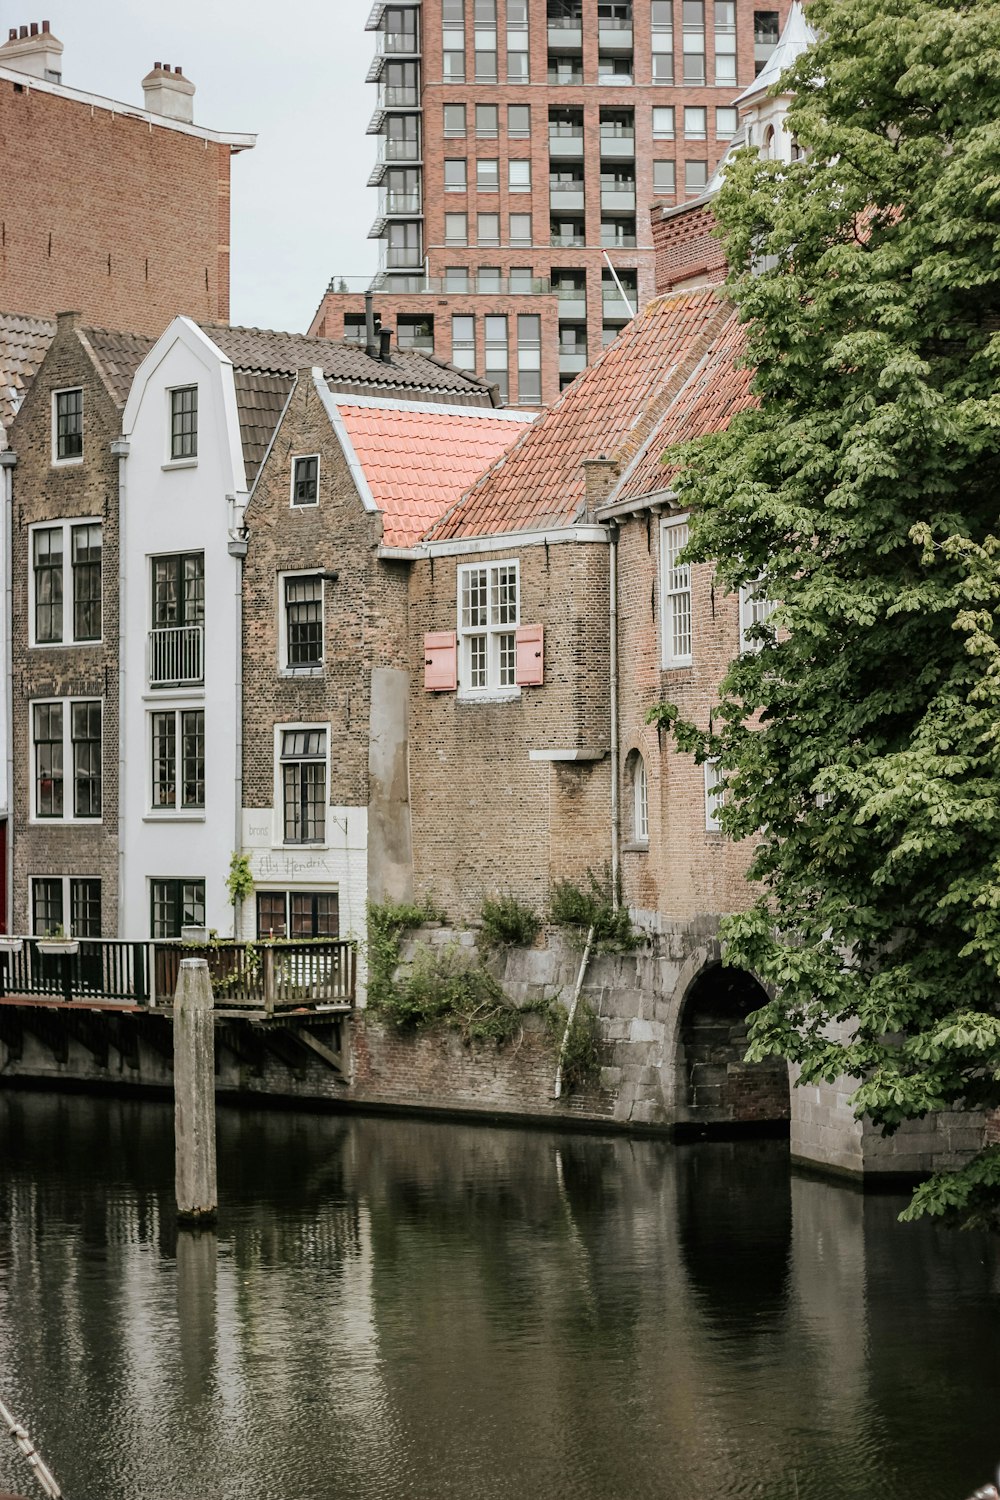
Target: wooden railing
259	976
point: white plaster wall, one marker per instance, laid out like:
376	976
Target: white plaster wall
181	509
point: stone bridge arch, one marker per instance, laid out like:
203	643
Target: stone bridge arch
713	1087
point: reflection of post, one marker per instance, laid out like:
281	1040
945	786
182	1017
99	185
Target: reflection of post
197	1256
194	1092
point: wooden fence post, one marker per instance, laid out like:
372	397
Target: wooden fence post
194	1093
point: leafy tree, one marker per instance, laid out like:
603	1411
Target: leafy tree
860	744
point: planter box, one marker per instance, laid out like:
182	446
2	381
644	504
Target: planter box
11	944
58	947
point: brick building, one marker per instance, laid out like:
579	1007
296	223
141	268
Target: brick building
522	143
118	211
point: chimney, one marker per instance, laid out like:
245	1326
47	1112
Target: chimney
599	477
384	340
169	93
371	341
33	50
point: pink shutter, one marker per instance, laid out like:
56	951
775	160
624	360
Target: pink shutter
529	667
440	661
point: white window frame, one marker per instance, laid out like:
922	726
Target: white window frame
67	902
177	813
714	798
492	689
67	749
303	504
56	461
67	527
640	800
285	669
169	462
671	589
278	840
753	611
519	167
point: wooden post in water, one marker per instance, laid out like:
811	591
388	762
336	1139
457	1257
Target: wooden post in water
194	1093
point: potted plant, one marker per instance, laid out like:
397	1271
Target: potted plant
58	944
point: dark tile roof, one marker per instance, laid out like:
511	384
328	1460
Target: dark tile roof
118	355
260	400
346	366
23	344
607	412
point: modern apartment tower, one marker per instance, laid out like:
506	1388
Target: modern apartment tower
522	144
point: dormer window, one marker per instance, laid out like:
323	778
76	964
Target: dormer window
67	426
305	480
184	422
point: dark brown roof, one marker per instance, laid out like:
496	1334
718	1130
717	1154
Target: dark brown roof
260	400
607	412
118	356
23	344
346	366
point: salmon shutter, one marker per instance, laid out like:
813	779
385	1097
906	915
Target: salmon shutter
440	662
529	668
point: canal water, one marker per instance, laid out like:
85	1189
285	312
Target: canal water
398	1309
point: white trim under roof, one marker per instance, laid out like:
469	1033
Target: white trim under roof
343	437
501	541
436	408
239	141
588	753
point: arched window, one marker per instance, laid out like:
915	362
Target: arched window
767	149
640	799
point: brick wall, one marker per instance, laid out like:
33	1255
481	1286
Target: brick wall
46	492
486	818
686	869
687	249
127	222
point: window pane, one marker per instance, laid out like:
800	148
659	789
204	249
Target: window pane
46	906
303	773
184	422
86	737
164	749
86	543
474	598
48	568
193	758
48	736
272	920
305	481
487	120
304	621
85	908
504	596
69	424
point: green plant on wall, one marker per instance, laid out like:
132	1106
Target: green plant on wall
506	922
582	907
239	884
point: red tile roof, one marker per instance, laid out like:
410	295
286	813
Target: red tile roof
418	461
706	402
606	412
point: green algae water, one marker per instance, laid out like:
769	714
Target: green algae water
392	1308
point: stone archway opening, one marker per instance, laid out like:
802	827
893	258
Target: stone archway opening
717	1088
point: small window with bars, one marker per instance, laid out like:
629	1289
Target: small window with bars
68	425
184	422
305	480
303	785
676	594
488	616
303	619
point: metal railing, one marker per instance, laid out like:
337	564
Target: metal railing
268	976
176	655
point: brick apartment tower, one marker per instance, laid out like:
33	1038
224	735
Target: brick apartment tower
520	140
119	212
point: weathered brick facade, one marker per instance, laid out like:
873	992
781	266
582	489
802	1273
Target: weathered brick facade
119	215
486	817
43	491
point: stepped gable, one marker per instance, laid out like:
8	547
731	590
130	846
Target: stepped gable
419	459
706	402
605	413
23	345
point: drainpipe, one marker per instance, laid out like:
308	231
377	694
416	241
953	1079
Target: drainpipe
239	539
613	651
7	462
120	450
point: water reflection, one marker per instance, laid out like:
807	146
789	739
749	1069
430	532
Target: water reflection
399	1309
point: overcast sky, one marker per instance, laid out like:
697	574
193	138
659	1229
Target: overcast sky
293	72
